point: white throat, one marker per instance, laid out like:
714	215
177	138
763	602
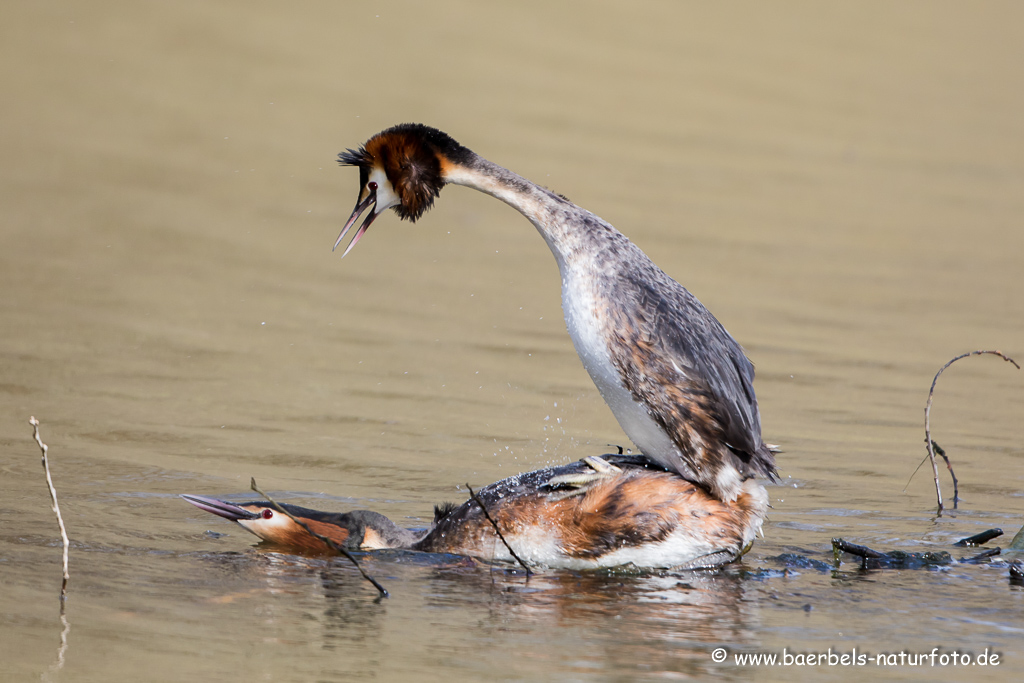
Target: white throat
386	196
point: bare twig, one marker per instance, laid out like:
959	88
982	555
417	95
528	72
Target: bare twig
949	466
928	425
56	509
494	524
326	541
984	555
854	549
979	539
939	451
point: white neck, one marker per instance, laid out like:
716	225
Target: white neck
557	219
526	197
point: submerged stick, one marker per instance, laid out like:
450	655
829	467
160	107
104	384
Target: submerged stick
56	509
928	425
991	552
494	524
326	541
859	550
979	539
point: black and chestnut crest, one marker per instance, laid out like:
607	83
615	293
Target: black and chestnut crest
401	168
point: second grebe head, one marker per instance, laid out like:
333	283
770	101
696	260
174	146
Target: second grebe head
400	168
356	530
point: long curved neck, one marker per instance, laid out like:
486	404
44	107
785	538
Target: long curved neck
562	224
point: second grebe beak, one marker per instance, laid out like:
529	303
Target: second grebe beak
377	195
220	508
370	199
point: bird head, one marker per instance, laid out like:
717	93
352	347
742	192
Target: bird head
401	168
356	530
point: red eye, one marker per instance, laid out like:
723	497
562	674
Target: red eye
372	185
267	513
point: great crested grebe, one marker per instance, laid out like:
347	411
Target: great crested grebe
677	382
636	514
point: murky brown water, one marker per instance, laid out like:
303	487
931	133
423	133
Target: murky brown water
841	186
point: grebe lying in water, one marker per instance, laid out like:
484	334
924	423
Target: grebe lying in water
561	517
677	382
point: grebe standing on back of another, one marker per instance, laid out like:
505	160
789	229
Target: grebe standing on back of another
677	382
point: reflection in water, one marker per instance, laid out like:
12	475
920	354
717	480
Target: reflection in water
668	621
62	649
608	620
303	603
349	613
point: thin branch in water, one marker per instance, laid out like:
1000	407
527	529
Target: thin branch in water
326	541
854	549
928	425
939	451
984	555
956	482
56	509
979	539
494	524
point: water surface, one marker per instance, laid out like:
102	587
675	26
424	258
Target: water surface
840	184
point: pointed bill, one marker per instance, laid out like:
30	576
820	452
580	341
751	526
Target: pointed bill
369	202
219	507
359	233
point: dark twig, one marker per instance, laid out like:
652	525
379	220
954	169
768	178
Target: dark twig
56	509
854	549
939	451
494	524
839	546
949	466
979	539
326	541
927	420
984	555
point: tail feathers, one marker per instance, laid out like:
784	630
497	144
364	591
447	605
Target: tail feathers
723	472
763	462
443	510
760	463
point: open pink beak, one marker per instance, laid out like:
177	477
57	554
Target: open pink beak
220	508
371	202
